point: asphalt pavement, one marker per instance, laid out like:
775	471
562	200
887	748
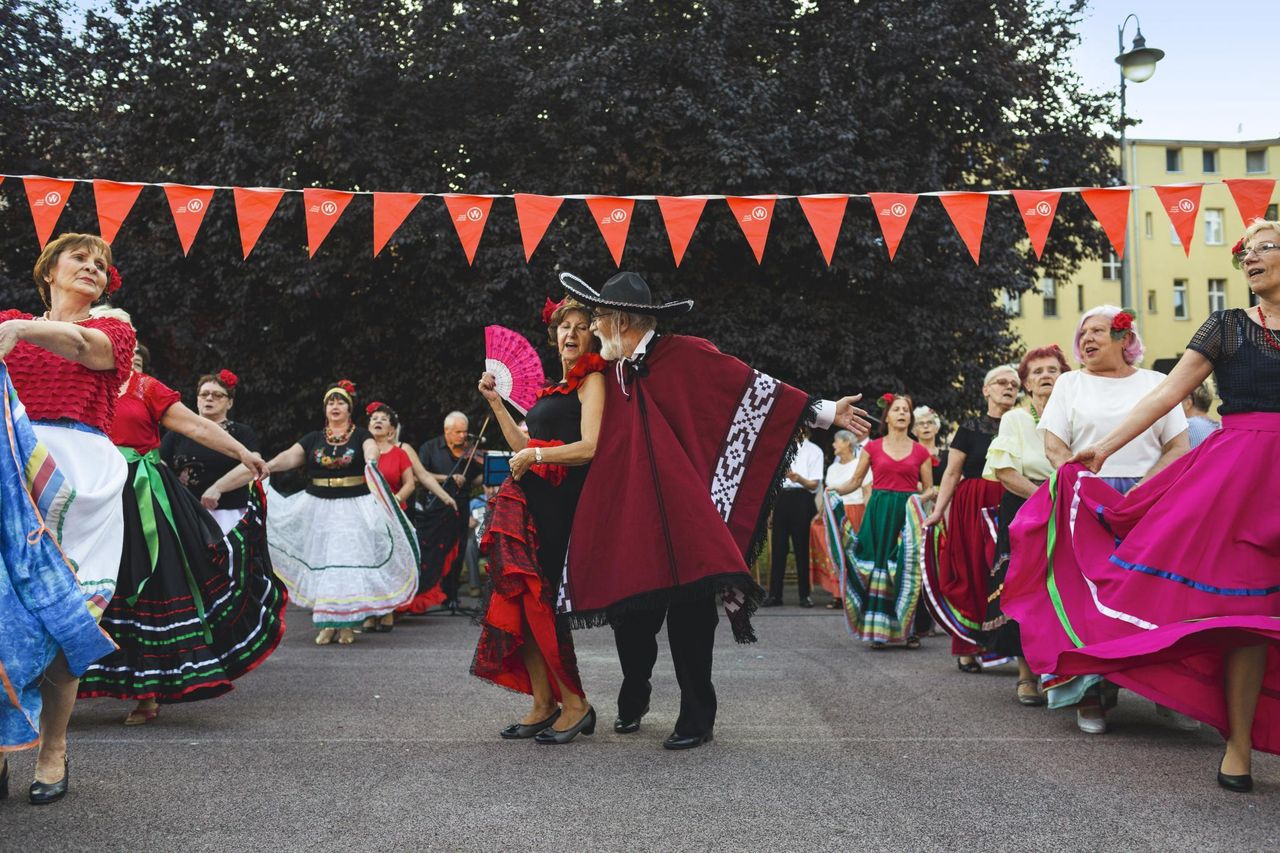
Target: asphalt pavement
389	744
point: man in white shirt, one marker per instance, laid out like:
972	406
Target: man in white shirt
792	513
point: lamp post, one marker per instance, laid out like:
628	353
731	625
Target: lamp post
1137	64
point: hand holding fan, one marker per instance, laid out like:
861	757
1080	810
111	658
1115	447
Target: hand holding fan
515	365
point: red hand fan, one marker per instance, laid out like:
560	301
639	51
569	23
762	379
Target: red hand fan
514	362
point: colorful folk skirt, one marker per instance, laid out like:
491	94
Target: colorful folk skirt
881	577
518	595
43	610
344	559
958	573
834	528
1152	588
194	609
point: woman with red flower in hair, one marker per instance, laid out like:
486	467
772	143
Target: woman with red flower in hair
194	608
342	546
524	646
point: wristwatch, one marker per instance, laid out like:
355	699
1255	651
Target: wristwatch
537	455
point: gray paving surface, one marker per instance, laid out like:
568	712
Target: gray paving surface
390	745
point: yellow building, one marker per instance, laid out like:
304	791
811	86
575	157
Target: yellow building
1172	293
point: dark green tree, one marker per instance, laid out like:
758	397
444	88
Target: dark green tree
590	96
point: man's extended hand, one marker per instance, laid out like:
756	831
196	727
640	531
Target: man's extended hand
850	417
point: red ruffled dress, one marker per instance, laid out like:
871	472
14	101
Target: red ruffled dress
526	542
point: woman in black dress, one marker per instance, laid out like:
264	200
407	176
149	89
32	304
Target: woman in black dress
523	646
196	466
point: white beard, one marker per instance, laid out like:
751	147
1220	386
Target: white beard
611	348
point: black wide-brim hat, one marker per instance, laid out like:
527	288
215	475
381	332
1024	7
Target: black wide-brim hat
626	291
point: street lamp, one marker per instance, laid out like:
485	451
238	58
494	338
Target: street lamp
1137	64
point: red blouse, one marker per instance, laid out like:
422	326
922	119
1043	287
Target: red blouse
896	475
582	368
138	413
393	464
53	388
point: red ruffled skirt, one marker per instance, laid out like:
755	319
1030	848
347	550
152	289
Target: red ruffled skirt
964	560
521	603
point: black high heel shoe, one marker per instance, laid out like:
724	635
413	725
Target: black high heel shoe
43	793
586	726
1242	784
521	731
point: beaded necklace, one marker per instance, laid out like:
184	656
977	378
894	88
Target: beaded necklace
1266	333
338	442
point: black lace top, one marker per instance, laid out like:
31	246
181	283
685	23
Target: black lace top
1245	367
972	439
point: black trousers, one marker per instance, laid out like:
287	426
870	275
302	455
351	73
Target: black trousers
791	516
691	629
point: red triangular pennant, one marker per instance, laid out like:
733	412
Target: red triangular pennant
1181	203
680	214
825	215
188	205
323	208
114	200
1037	209
1110	206
1252	195
254	208
389	212
534	213
968	212
613	217
469	214
754	215
893	211
47	197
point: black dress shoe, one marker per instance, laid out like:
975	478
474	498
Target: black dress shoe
625	726
1240	784
586	726
806	601
679	741
43	793
771	602
521	731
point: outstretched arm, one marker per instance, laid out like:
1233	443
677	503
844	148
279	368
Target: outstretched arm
90	347
238	476
423	476
178	418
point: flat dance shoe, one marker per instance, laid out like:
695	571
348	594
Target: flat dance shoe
43	793
586	726
679	741
1031	698
1241	784
522	731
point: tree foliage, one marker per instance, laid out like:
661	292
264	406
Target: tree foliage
594	96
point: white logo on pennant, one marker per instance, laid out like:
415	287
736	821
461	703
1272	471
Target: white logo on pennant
329	208
193	205
475	214
618	215
1186	206
897	209
1044	208
759	213
52	198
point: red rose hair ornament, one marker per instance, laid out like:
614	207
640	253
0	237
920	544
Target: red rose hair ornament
347	385
374	406
1122	324
228	379
113	280
1237	253
549	310
885	402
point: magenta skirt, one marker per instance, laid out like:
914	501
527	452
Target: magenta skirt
1150	589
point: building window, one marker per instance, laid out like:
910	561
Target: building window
1111	267
1151	302
1173	159
1255	160
1080	298
1173	235
1013	304
1217	294
1049	288
1211	159
1146	225
1271	213
1180	299
1213	226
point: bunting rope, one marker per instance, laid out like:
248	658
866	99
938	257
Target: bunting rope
967	209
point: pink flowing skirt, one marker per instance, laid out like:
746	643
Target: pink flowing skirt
1150	589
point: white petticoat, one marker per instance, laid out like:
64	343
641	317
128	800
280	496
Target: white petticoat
345	559
90	528
227	518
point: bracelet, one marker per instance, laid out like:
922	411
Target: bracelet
537	455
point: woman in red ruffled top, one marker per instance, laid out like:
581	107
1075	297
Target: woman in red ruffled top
523	646
67	368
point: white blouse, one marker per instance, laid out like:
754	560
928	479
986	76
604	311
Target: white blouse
839	473
1084	408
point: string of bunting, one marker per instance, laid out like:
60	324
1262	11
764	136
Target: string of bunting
254	207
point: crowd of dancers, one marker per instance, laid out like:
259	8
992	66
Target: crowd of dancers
1078	533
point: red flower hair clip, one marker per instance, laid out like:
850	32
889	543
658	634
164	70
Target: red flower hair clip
1237	253
374	406
885	402
1122	324
228	379
549	310
346	385
113	280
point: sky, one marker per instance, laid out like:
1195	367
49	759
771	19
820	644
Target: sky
1217	79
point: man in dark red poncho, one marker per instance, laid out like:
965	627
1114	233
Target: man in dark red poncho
692	449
